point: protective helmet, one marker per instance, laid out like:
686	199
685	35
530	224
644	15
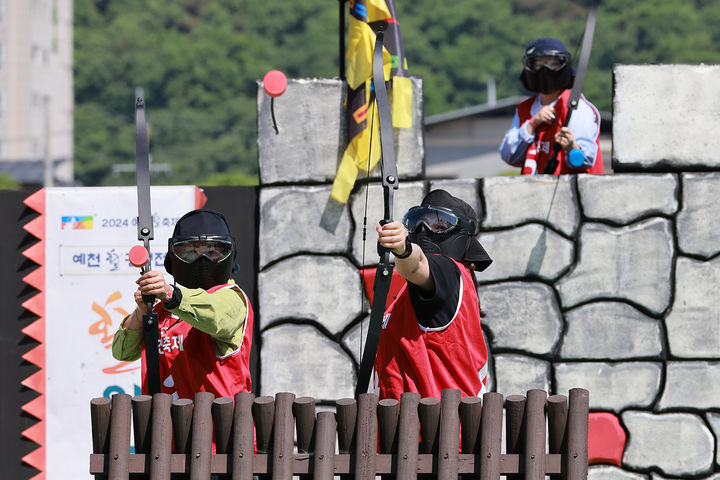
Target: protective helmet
201	252
447	225
547	66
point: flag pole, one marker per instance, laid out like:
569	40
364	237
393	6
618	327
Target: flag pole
341	33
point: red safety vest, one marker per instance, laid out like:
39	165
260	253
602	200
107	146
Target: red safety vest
539	153
413	359
189	364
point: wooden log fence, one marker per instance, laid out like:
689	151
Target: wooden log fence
281	437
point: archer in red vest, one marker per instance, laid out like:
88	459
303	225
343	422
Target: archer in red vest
538	121
431	337
205	319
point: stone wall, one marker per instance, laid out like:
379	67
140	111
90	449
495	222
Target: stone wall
601	282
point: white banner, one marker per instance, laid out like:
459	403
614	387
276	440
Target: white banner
89	289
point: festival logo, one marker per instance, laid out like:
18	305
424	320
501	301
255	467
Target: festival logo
77	222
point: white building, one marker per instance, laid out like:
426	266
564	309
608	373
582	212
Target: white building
36	91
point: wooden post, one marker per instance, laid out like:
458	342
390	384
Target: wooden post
243	443
141	405
408	436
201	435
557	423
119	449
283	438
181	413
100	423
366	437
514	433
470	414
577	434
491	436
324	460
535	435
222	414
161	437
263	412
448	444
304	412
346	421
387	414
429	412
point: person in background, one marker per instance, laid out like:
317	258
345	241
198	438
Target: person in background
431	337
205	319
538	121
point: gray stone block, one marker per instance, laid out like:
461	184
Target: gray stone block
301	360
632	263
465	189
408	195
655	476
693	323
676	443
324	289
290	223
549	199
676	139
623	199
698	223
530	250
714	421
610	330
612	386
521	316
354	339
516	374
691	385
312	133
609	472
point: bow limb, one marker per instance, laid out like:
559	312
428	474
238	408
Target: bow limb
578	83
145	234
388	169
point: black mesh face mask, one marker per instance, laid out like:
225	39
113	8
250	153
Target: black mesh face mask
201	252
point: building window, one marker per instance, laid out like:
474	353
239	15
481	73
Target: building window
2	10
2	104
2	55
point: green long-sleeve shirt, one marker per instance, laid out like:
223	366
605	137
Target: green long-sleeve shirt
220	314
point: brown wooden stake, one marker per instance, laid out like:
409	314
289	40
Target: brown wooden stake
387	413
366	437
243	442
161	437
119	449
283	438
577	434
100	423
346	423
449	439
408	436
535	435
263	412
429	412
514	421
141	405
181	413
324	460
201	435
491	436
304	412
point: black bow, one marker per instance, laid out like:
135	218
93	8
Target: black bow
388	169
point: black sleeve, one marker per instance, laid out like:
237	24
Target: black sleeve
435	312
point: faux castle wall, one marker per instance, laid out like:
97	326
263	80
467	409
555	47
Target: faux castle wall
601	282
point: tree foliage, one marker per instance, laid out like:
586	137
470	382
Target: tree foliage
198	63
